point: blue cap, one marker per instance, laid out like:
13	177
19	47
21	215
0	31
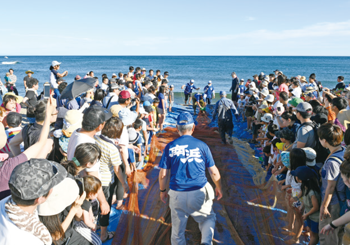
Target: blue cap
222	93
191	81
146	103
185	118
304	173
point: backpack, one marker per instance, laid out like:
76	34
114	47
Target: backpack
322	153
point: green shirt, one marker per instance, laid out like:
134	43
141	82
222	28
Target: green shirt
308	205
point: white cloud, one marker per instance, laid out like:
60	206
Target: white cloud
250	18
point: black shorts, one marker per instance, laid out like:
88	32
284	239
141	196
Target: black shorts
187	96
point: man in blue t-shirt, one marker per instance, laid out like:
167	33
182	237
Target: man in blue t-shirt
188	91
185	161
209	93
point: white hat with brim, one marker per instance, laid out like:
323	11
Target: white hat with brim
264	92
55	63
267	117
128	117
62	195
3	136
270	98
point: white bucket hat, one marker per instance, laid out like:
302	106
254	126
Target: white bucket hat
72	120
267	117
310	156
55	63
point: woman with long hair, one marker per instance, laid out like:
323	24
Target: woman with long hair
162	106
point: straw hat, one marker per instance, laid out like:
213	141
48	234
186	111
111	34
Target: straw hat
29	71
19	99
303	79
115	109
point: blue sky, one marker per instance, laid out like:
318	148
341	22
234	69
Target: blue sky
190	27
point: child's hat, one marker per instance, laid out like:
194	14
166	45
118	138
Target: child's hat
133	135
304	173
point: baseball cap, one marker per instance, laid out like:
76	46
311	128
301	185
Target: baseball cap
114	75
295	101
95	115
320	118
304	173
222	92
267	118
242	80
166	73
55	63
171	86
124	94
146	103
191	81
114	85
63	195
209	82
72	120
310	156
262	106
133	135
304	107
185	118
249	92
143	69
34	178
265	83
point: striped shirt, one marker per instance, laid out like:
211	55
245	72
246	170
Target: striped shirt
110	158
11	132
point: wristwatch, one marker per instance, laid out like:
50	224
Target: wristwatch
162	190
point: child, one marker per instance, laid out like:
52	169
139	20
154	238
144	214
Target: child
14	121
104	84
241	87
267	155
297	159
31	98
311	194
241	105
87	226
156	112
249	112
135	139
171	97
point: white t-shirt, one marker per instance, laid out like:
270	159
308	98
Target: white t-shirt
77	139
10	234
297	92
104	87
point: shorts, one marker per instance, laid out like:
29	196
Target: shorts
171	103
312	225
161	111
249	113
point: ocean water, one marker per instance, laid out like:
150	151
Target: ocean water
183	68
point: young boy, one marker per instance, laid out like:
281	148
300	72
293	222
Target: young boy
14	121
31	98
88	225
241	87
171	97
104	85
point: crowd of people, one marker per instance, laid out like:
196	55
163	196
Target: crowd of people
63	169
302	130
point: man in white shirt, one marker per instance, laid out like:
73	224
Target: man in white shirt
113	96
296	92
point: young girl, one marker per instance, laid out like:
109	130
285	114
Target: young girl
295	222
311	194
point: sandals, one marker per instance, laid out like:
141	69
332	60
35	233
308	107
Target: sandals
110	235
